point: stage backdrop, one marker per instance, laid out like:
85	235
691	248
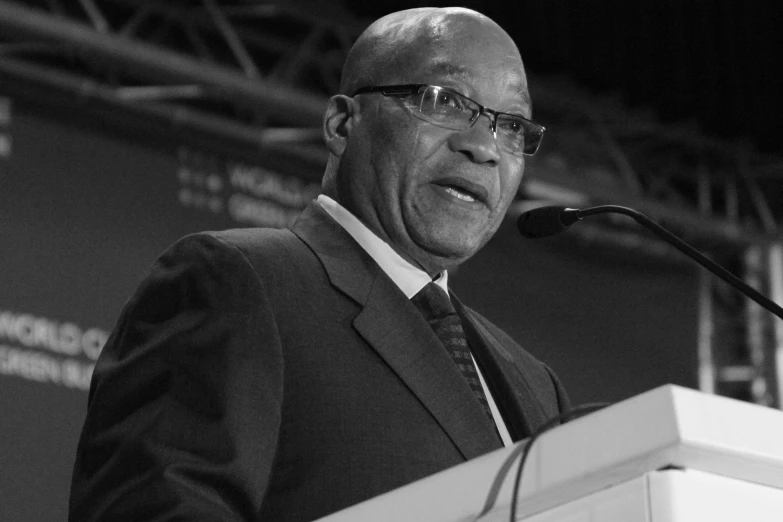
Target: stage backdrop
85	209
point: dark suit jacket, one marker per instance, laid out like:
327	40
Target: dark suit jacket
275	375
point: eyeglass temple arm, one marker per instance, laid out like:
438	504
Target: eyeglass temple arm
394	90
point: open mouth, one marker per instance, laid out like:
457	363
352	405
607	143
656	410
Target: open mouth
459	193
463	189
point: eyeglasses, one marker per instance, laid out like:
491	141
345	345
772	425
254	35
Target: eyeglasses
449	109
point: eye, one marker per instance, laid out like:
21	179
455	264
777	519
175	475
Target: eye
451	101
511	126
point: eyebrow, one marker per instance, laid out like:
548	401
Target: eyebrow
460	72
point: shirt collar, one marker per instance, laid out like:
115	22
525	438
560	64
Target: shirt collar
410	279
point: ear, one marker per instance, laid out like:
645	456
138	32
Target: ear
338	122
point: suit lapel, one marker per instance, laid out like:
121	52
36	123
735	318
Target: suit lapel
518	403
393	327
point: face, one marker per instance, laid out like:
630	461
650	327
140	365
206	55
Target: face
436	195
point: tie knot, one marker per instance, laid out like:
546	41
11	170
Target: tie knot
433	302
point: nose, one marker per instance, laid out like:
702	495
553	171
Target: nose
477	142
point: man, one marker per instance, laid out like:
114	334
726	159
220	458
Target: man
284	375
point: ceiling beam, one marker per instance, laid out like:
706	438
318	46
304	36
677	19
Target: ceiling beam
285	103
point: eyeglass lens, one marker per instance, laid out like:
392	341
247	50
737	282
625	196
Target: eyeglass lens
454	111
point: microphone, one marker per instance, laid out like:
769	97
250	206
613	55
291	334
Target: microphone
547	221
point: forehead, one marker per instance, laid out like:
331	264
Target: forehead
516	84
470	52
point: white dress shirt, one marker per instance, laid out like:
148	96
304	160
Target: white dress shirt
408	278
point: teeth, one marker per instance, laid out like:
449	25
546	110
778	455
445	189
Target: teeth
459	195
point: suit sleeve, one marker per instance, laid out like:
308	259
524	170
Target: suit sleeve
185	403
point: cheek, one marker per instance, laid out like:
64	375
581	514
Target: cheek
398	163
511	179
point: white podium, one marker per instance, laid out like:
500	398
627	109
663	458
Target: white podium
668	455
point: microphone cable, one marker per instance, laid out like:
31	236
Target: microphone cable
524	449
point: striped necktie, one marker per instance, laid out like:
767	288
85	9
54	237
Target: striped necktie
435	305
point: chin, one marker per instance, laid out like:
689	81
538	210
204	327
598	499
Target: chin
446	254
448	243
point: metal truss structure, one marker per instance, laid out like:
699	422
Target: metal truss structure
254	75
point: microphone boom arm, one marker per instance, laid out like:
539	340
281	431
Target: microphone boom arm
571	215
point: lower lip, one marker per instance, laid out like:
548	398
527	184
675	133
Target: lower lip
445	194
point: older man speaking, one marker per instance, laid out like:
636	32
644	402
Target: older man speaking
283	375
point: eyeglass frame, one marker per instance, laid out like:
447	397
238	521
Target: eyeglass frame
416	88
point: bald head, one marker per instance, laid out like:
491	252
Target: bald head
384	52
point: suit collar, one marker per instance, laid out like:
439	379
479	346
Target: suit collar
409	278
395	329
350	269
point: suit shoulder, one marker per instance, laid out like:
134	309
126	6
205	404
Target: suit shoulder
256	245
254	240
277	256
232	256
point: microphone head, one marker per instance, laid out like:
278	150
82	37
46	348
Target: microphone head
542	222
